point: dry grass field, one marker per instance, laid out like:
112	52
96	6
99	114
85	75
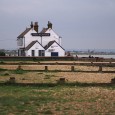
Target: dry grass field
84	93
41	77
52	77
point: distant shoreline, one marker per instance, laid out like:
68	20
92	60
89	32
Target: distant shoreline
97	55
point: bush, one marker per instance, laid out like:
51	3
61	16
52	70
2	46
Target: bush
5	74
19	71
2	53
1	69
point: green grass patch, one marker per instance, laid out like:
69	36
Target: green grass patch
2	62
49	76
1	69
19	71
5	74
35	100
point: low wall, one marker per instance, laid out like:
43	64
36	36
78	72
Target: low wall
67	58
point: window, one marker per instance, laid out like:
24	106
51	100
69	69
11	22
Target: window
22	52
33	52
20	42
54	54
41	53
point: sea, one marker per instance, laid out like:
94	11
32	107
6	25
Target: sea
95	50
101	56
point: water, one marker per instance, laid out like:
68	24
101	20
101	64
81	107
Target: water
101	56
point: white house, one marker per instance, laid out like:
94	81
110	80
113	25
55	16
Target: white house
31	42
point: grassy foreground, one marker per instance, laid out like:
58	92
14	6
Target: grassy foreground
57	100
39	93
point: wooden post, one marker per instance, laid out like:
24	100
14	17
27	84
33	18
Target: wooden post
91	62
100	68
110	61
113	80
72	68
12	80
19	67
61	80
56	63
38	62
46	68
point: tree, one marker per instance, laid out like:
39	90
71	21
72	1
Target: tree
2	53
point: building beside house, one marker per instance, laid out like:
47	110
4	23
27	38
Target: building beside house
33	42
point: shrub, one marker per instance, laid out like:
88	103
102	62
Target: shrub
6	74
18	71
2	53
1	69
2	62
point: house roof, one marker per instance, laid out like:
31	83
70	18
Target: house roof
24	33
44	30
31	44
50	43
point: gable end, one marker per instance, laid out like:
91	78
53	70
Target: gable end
31	44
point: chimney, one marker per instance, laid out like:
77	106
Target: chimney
49	24
36	26
31	25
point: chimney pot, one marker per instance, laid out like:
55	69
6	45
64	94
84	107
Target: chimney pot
49	24
31	25
36	26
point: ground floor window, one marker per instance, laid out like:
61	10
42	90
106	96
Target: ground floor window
41	52
21	52
33	52
54	53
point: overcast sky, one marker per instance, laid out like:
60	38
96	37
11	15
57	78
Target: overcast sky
82	24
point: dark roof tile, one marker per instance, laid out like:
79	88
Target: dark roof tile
44	30
50	43
23	33
31	44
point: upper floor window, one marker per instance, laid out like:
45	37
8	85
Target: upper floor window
20	42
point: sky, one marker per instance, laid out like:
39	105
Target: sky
82	24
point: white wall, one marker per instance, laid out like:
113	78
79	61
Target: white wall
55	48
29	38
53	36
35	47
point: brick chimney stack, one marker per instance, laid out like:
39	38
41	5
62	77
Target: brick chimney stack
36	26
49	24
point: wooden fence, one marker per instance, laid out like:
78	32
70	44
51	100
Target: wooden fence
72	65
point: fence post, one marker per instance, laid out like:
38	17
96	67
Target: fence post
46	68
91	62
100	68
72	68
